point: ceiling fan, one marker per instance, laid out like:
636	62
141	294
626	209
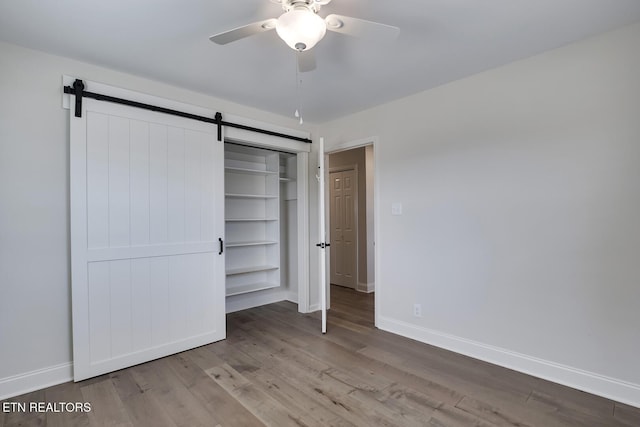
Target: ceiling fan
301	28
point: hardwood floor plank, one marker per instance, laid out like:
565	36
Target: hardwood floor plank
318	388
407	397
464	382
142	409
627	414
185	369
125	384
296	337
388	357
107	408
216	400
578	400
358	325
312	327
257	337
568	412
263	406
366	378
17	417
323	391
290	396
206	393
237	359
393	409
359	381
448	416
204	357
391	373
161	384
509	415
67	392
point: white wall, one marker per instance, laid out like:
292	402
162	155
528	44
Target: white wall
35	317
521	194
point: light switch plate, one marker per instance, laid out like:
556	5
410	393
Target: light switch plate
396	208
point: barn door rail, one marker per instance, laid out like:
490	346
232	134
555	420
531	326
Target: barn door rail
78	91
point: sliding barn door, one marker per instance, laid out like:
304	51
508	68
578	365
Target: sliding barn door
147	213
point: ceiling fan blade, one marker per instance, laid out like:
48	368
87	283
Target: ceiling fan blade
306	61
361	28
245	31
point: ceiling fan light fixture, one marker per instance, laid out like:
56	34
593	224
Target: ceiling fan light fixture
301	29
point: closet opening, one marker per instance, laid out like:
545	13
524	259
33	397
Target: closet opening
261	226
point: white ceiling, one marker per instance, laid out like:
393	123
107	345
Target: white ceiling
440	41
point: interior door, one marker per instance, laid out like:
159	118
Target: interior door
322	255
147	224
343	228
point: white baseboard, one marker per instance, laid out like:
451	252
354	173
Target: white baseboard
601	385
365	287
314	307
35	380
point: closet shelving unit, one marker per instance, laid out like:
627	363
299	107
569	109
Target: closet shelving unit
252	216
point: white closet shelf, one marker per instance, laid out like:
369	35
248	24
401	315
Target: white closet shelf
250	287
249	219
250	243
251	269
249	171
250	196
285	179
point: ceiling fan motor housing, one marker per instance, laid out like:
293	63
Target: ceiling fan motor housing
313	5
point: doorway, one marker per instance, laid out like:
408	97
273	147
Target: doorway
350	221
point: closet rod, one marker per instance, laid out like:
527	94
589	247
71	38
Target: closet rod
78	90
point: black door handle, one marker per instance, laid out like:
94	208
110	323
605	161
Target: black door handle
221	246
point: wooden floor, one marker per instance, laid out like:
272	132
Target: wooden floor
276	369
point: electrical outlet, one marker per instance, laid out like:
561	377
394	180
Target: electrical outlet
417	310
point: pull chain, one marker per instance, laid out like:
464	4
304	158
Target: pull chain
298	114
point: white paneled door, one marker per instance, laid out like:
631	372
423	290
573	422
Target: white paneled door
344	249
147	223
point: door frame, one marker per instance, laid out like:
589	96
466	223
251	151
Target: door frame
373	141
354	168
302	186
